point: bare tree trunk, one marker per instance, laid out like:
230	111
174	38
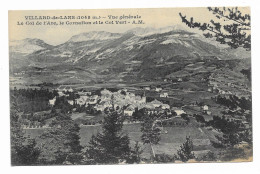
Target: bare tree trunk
152	150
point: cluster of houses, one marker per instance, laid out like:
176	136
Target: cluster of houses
121	99
158	90
64	89
214	88
179	79
19	73
232	87
87	100
128	102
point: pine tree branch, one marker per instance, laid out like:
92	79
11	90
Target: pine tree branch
227	17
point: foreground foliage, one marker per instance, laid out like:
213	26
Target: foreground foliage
23	149
110	146
61	143
230	27
185	153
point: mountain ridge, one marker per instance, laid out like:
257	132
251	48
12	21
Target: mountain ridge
28	45
125	56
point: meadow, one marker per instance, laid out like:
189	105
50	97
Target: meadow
169	144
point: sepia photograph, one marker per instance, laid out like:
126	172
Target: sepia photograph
130	86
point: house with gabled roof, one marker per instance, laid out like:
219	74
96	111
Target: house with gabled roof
156	103
129	111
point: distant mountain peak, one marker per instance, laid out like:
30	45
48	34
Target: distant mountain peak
139	31
94	35
28	45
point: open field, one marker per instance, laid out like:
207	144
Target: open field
169	144
75	116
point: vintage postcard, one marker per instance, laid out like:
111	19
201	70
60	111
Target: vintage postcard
130	86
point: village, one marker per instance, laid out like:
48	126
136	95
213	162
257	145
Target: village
128	102
122	99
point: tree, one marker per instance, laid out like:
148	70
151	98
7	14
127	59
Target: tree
228	139
230	27
135	154
247	73
62	103
199	118
246	136
233	132
110	146
185	117
185	153
138	114
210	156
61	143
28	153
151	133
23	150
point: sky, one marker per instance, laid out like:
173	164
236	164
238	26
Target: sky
54	35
